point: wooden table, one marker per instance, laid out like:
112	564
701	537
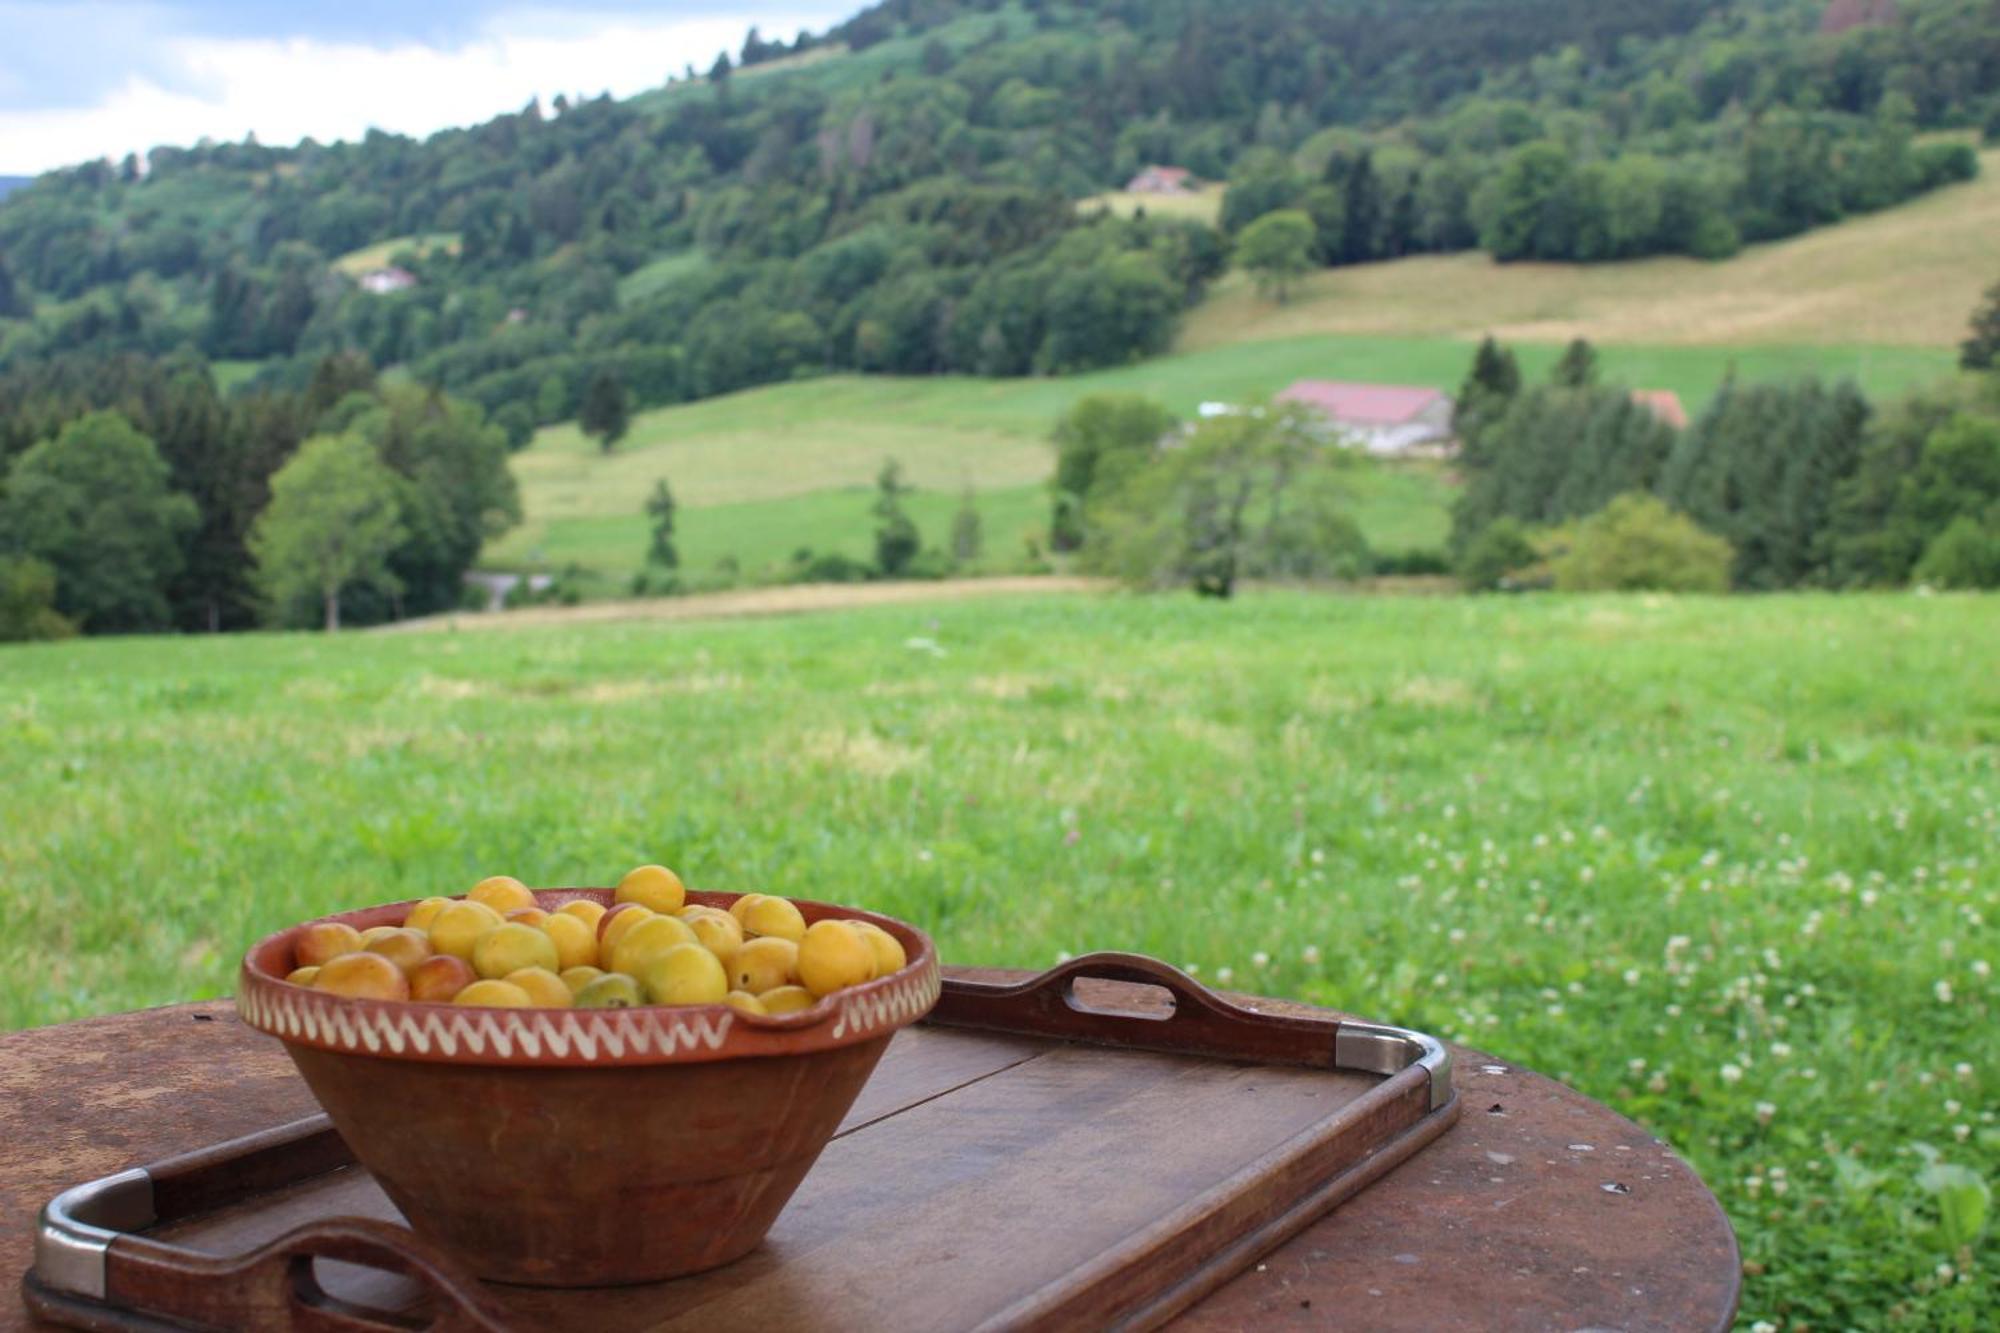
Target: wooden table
1539	1210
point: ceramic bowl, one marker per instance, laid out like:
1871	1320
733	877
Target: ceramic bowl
586	1147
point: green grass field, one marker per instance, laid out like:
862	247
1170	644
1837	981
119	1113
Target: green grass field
1725	864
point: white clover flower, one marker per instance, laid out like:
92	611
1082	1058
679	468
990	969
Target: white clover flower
1636	1064
1981	968
1779	1050
1943	992
1765	1112
1963	1070
1631	976
1310	955
1731	1074
1657	1083
1961	1132
1223	976
1952	1106
1946	1272
1763	1326
1064	956
1260	960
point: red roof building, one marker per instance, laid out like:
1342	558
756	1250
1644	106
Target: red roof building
1664	404
1385	419
1161	180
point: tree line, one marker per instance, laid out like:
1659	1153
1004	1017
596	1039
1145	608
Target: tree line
1794	484
135	497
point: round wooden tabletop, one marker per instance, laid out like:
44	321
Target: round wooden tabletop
1540	1209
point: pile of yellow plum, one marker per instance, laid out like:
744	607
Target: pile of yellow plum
496	946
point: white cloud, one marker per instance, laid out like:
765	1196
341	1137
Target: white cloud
285	90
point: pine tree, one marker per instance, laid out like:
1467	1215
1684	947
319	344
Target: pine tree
966	535
1490	386
660	508
1979	352
606	412
1578	367
896	537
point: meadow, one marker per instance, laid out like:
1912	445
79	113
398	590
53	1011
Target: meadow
801	451
1724	864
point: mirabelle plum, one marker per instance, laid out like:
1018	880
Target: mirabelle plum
439	978
613	990
367	976
787	1000
718	933
762	965
652	886
502	893
771	915
458	927
654	935
511	946
544	987
576	943
324	941
684	974
889	953
585	910
744	1001
527	916
576	978
302	976
613	925
495	995
833	956
404	947
424	913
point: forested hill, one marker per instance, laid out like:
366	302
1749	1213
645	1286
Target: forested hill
899	194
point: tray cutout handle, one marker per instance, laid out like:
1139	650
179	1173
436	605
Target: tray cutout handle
1200	1022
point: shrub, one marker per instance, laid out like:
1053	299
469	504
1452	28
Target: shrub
1496	556
1634	544
1964	555
27	601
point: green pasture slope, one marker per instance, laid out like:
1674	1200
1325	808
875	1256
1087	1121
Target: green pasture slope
790	458
1726	864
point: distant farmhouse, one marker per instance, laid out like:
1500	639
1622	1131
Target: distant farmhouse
1162	180
382	281
1847	15
1387	420
1664	404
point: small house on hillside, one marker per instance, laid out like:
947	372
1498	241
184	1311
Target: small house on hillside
1846	15
1387	420
1664	404
382	281
1161	180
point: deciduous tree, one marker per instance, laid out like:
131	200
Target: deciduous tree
335	518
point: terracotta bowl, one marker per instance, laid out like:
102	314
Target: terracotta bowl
586	1147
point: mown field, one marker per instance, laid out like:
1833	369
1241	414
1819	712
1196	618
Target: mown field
1909	277
1724	864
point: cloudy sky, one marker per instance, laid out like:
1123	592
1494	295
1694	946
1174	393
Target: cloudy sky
81	79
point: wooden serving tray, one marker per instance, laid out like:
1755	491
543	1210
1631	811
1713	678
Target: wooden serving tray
1100	1146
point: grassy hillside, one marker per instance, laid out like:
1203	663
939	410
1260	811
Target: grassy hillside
1907	277
1883	299
1204	205
370	257
1718	863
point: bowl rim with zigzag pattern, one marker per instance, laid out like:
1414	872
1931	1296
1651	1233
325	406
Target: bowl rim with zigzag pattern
577	1038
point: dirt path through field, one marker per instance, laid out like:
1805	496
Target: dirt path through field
794	600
